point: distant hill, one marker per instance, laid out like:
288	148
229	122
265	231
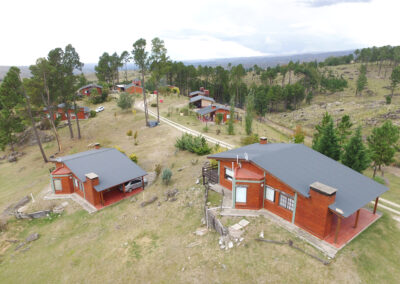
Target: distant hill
261	61
267	61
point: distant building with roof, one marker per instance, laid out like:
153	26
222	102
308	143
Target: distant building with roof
100	176
302	186
209	113
201	92
60	112
85	90
134	88
201	101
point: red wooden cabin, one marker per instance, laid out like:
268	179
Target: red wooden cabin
209	113
302	186
85	90
60	112
101	176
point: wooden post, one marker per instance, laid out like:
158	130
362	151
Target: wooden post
376	204
337	228
357	215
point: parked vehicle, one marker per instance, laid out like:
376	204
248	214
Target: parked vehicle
99	109
131	185
153	123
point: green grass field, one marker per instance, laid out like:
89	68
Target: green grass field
125	243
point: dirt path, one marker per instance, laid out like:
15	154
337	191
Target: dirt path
140	106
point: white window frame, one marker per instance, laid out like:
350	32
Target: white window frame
57	184
228	116
76	185
240	196
286	201
270	193
228	176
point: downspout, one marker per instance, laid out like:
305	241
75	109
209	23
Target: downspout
294	208
265	185
219	168
233	187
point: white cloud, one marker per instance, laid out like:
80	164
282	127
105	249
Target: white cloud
191	30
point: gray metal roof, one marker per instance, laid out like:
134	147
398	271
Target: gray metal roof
112	167
209	109
198	98
90	86
299	166
196	93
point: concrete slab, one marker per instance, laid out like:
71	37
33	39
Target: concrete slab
75	197
236	227
243	223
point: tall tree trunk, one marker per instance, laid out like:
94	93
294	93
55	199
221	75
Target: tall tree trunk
290	76
49	107
77	119
28	105
71	133
145	101
158	110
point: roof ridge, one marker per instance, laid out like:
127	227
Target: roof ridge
94	151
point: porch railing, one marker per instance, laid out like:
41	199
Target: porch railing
210	174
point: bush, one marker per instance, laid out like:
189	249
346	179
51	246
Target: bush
194	144
157	169
388	100
153	105
217	149
133	157
219	118
125	101
129	133
185	111
96	98
299	135
250	139
166	176
93	113
205	129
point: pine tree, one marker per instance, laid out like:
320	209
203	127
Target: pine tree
343	129
328	143
355	153
320	128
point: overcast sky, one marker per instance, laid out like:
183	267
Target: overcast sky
194	29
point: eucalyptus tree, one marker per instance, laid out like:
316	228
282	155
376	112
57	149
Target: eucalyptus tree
236	77
158	64
125	58
140	56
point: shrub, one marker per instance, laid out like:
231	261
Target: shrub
388	100
129	133
185	111
166	176
250	139
299	135
96	98
133	157
93	113
153	105
135	136
125	101
217	149
157	169
205	129
194	144
219	118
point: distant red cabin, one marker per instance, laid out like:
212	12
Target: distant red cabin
209	113
134	88
85	90
59	112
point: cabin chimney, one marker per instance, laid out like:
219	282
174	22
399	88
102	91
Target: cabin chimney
202	89
92	178
97	145
263	140
206	92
